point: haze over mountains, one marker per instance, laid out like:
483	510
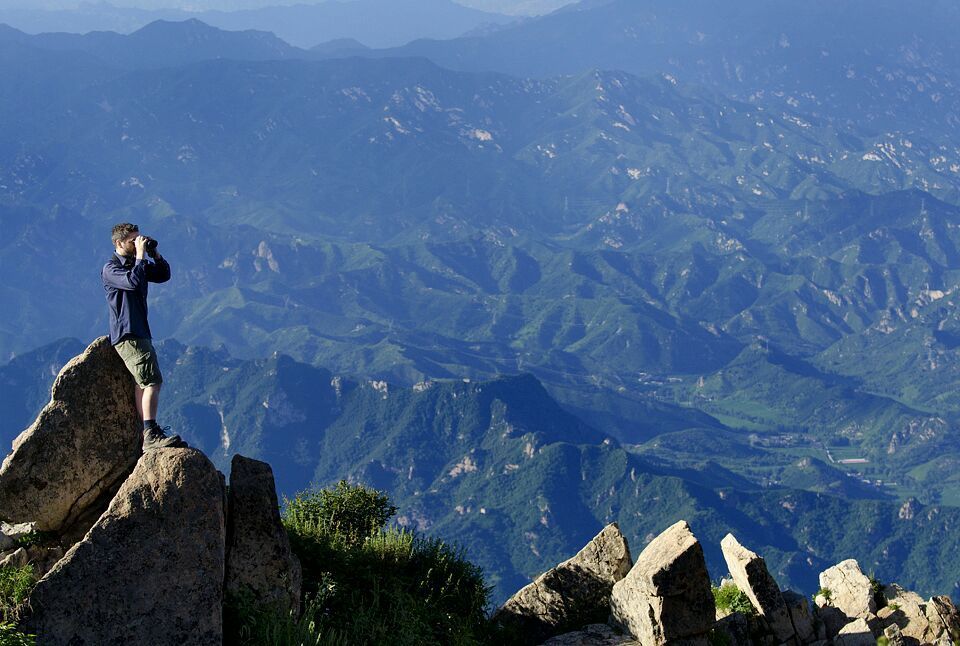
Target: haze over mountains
712	249
375	23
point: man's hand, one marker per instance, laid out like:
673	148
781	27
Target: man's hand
141	244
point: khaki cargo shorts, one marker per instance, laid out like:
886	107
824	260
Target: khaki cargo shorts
141	360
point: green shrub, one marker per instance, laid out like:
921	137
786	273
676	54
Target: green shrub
15	586
10	636
377	585
351	513
730	598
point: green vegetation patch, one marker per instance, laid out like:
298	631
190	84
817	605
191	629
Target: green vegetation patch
15	586
366	583
729	598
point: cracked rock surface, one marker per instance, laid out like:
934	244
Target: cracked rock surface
571	595
80	446
150	571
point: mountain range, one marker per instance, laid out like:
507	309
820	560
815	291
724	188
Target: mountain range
376	23
739	287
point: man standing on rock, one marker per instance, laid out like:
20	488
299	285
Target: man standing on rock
134	264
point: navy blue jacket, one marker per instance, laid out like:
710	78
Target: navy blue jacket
125	283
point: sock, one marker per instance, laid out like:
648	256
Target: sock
148	424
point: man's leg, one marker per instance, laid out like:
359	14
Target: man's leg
150	401
139	401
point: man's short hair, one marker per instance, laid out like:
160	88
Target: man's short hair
122	230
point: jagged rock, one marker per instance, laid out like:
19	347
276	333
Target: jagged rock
592	635
855	633
851	592
800	616
10	533
571	595
150	571
923	621
83	442
259	558
666	596
750	574
894	636
16	558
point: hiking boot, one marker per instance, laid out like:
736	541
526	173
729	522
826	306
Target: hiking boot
155	438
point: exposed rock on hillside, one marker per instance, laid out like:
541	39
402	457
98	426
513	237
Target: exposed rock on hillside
259	558
80	446
574	593
150	571
666	596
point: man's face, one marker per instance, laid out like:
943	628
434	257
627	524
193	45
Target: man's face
126	247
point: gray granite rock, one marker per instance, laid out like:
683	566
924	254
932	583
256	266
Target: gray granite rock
750	574
15	559
800	615
666	596
150	571
84	442
570	595
259	559
851	592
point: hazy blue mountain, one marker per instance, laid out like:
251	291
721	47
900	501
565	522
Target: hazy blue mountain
376	23
882	65
161	44
736	294
623	239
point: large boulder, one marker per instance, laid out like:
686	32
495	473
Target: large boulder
926	622
666	596
79	448
850	589
750	574
259	559
150	571
571	595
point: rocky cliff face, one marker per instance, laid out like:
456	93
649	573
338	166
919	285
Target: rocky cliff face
133	547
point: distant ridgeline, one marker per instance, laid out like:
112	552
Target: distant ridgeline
500	468
716	247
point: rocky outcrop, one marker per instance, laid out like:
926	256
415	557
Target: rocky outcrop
666	596
150	571
850	590
750	574
259	561
925	622
574	593
79	448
